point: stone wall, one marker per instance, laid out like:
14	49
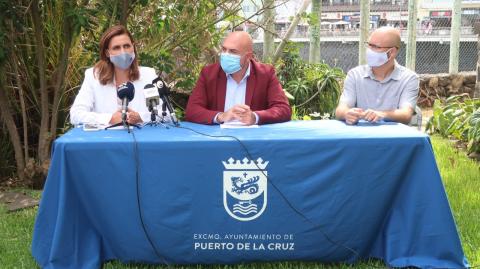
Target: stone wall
441	86
432	87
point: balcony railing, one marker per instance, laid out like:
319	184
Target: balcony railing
356	8
421	33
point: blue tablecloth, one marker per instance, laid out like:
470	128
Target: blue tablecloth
311	190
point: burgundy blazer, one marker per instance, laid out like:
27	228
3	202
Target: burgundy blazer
264	95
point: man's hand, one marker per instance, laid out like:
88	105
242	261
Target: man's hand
373	115
226	116
244	114
353	115
238	112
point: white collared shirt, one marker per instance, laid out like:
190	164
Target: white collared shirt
95	103
236	93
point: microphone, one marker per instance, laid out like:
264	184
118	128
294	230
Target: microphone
125	92
164	92
152	99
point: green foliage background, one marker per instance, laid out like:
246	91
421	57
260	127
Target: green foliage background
458	117
46	45
314	87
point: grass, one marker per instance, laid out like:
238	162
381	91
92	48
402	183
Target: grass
461	177
272	265
16	235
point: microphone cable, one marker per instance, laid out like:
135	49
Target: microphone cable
298	212
140	211
316	226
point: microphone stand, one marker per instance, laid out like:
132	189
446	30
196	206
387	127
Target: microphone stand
163	91
154	115
164	111
125	125
166	104
125	92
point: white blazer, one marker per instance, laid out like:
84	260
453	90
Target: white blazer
95	103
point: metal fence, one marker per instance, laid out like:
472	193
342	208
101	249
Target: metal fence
340	49
339	39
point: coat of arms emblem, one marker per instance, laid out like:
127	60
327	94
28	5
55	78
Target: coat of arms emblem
245	188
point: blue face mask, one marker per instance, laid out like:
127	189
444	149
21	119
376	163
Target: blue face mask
122	60
230	63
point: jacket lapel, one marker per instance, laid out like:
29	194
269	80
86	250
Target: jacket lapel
221	89
251	81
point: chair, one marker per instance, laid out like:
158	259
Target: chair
417	118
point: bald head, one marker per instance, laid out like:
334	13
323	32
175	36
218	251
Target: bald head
239	40
239	43
386	37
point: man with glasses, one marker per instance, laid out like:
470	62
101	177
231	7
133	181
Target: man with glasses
238	89
382	89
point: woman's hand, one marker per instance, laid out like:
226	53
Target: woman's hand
133	117
116	117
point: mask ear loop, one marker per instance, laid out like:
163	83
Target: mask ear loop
252	57
389	53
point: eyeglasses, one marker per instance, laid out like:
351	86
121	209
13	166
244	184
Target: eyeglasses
375	47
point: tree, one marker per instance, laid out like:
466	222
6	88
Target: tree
364	30
41	59
177	37
46	45
290	30
269	36
38	39
476	92
315	27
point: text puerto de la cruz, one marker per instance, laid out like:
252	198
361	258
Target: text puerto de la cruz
243	242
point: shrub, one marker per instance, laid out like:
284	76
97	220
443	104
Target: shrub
315	87
458	117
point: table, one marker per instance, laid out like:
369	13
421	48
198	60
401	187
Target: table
305	190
